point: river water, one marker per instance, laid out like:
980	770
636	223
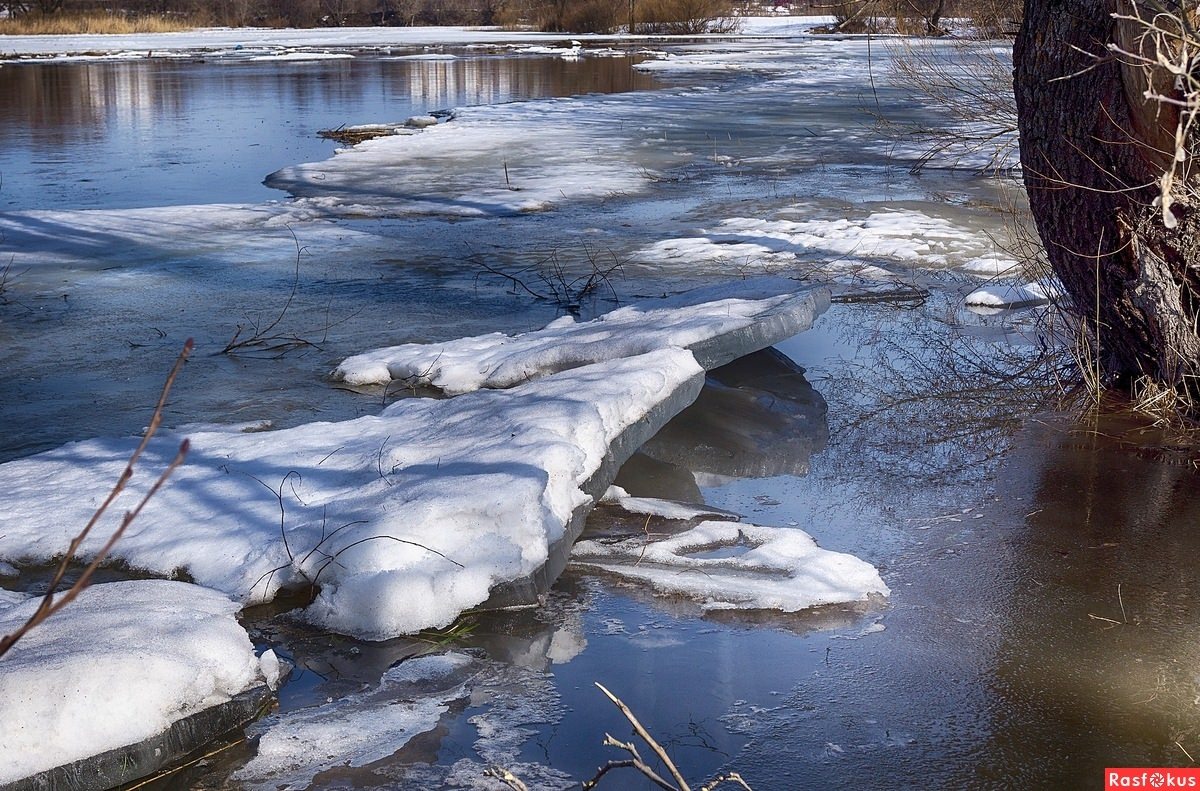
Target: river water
1040	558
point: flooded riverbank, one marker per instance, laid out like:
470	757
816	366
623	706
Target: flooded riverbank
1038	560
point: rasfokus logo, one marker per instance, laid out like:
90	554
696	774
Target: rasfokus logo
1158	777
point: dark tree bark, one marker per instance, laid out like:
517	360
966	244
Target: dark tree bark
1094	149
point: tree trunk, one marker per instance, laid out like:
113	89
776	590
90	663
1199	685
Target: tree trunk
1094	151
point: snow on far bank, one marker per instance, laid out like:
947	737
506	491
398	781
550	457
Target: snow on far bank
1015	295
498	361
729	565
234	40
905	236
378	38
425	507
119	665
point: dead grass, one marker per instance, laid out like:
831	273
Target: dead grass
66	24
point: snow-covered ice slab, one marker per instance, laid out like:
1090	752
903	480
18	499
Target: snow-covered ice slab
718	324
834	247
738	566
1015	295
487	161
127	678
403	520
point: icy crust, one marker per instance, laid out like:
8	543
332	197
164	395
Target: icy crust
500	361
488	161
404	520
119	665
904	236
750	567
359	729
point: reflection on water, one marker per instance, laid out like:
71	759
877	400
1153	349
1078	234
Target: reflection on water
154	132
1099	639
755	418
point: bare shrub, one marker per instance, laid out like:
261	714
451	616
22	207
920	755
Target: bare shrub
685	17
584	16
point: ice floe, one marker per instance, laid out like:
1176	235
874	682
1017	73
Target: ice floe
119	665
1015	295
403	520
565	156
728	565
898	235
718	323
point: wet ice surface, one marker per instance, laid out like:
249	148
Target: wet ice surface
897	445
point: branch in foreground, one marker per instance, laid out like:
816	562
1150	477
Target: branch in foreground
51	603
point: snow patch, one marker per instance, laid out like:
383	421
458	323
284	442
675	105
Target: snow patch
426	507
117	666
1016	295
747	567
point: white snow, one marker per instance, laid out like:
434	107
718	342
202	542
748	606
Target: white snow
117	666
359	729
301	55
9	598
750	567
425	507
837	247
225	40
498	361
655	506
488	160
1015	295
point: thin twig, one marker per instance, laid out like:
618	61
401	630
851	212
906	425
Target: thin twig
50	604
646	737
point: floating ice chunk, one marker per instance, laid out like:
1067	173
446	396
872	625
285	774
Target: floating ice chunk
428	509
421	121
1016	295
726	565
302	55
719	323
359	729
667	509
117	666
991	265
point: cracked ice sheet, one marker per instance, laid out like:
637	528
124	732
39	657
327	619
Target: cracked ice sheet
369	728
359	729
119	665
468	493
903	236
497	360
756	568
